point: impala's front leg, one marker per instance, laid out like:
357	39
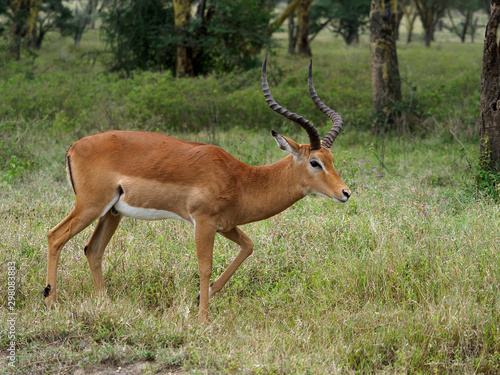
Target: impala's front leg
204	240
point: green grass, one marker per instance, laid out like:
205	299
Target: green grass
404	278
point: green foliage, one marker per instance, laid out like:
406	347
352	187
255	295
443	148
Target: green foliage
237	32
486	175
227	36
488	182
464	6
346	18
140	35
15	156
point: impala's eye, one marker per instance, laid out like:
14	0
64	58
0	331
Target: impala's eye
315	164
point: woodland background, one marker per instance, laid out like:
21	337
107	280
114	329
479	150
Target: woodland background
404	278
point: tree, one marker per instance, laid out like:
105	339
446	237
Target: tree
410	13
399	17
293	31
490	96
430	12
28	21
222	35
182	17
303	10
21	20
140	35
466	9
297	34
52	15
486	6
85	17
386	82
346	18
292	6
236	32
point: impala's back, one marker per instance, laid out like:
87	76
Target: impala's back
150	176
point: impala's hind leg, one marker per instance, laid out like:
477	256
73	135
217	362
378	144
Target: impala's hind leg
236	235
79	219
104	230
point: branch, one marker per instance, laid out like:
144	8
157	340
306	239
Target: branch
286	13
321	27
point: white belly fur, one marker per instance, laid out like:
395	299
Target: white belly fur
145	213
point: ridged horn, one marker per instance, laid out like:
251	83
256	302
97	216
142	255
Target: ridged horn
314	138
334	116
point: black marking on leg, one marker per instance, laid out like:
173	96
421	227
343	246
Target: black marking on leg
85	250
70	173
114	211
46	291
198	296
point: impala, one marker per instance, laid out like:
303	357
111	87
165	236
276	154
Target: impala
152	176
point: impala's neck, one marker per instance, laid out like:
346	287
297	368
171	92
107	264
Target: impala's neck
270	189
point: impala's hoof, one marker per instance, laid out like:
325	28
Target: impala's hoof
46	291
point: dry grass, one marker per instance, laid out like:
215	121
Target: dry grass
402	278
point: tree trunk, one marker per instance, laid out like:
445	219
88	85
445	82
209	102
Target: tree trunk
303	36
490	94
465	28
82	20
37	38
430	11
93	10
399	16
461	29
351	36
182	14
410	13
23	15
292	5
473	28
386	82
486	6
411	23
292	32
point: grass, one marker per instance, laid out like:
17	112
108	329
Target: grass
402	279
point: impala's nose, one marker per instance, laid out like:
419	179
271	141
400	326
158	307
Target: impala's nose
346	193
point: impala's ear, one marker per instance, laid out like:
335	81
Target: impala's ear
286	144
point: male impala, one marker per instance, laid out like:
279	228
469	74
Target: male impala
152	176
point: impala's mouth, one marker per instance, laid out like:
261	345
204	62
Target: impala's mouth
343	200
346	195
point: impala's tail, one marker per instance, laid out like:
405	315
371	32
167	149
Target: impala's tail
69	173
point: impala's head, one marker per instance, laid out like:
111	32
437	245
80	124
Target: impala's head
316	157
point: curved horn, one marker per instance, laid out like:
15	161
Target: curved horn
334	116
314	138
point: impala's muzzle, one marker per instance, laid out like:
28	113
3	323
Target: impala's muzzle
346	194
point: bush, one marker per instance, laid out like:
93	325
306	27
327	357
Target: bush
15	157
